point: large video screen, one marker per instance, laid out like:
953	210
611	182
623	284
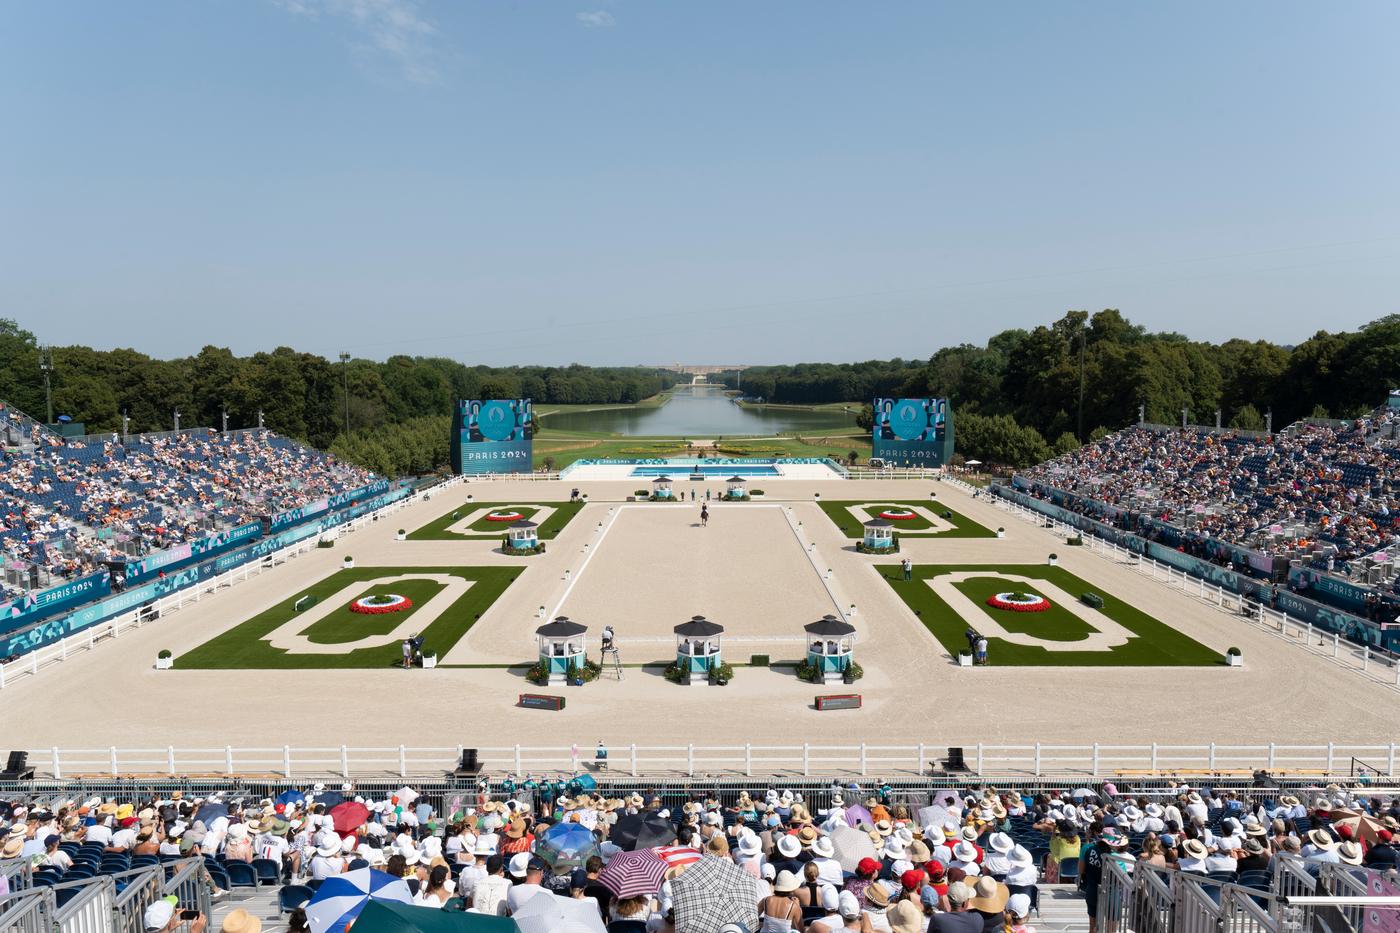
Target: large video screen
492	436
914	432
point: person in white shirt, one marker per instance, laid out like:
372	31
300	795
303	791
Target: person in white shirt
489	894
1196	809
994	858
1021	869
327	863
100	831
55	856
824	857
1222	859
531	875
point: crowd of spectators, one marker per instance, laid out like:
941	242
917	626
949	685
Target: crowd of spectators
973	862
1334	488
68	506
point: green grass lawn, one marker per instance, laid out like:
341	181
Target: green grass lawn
1157	644
242	647
344	626
963	527
436	530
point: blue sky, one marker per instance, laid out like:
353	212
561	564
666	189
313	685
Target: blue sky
628	182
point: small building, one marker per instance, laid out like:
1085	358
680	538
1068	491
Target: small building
735	488
879	534
830	644
523	535
697	647
661	488
562	646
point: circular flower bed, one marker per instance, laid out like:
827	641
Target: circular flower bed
1019	602
504	517
380	604
898	515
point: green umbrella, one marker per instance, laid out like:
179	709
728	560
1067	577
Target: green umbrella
391	917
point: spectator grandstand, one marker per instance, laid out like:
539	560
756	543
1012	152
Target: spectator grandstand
816	858
1318	495
69	506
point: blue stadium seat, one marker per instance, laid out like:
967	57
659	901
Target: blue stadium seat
240	875
293	896
268	871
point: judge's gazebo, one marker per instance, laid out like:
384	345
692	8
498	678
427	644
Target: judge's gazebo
523	535
830	643
735	487
879	535
697	649
661	488
561	647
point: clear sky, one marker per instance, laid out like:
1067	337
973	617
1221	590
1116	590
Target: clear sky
616	181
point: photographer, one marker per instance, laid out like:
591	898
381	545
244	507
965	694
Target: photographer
163	917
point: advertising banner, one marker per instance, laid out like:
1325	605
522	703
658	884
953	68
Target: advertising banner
200	549
493	436
913	432
31	607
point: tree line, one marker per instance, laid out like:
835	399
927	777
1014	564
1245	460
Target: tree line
301	395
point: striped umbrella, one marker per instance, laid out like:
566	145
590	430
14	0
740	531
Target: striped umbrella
676	856
340	898
629	874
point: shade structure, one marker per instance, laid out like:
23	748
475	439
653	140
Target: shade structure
713	892
566	846
829	626
562	627
642	830
550	913
349	816
340	898
856	815
735	479
524	523
629	874
879	523
393	917
289	796
676	856
698	627
1364	826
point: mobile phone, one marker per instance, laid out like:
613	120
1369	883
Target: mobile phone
188	914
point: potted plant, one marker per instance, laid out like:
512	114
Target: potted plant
1001	532
402	535
964	657
348	562
1234	658
165	660
1053	559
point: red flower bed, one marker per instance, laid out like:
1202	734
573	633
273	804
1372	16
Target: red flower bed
504	517
370	610
997	602
898	516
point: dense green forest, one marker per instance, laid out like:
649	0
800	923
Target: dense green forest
1016	398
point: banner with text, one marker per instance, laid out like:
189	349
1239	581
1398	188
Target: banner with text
913	432
190	552
31	607
493	436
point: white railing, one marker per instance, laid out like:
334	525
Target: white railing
1089	760
893	473
93	635
523	477
1379	667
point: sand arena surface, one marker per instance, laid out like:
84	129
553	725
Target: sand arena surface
653	570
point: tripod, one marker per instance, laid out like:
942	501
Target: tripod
610	648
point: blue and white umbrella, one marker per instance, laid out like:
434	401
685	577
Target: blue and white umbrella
340	899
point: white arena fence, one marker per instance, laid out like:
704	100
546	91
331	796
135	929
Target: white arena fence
90	637
1379	666
1094	761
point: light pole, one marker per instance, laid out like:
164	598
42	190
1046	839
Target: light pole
46	366
345	381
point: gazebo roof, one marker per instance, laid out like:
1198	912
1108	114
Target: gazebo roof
879	523
562	627
829	626
662	479
524	523
698	627
735	479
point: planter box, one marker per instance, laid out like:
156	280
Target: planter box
1052	561
964	660
1001	534
348	564
1234	660
429	661
401	536
164	664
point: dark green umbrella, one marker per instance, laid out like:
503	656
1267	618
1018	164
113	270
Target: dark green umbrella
392	917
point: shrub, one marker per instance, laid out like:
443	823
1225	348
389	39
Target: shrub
640	492
539	674
759	660
1076	541
1093	600
402	532
166	653
724	673
808	672
755	492
675	675
1054	557
1234	651
324	543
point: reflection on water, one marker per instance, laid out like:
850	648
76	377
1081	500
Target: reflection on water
698	412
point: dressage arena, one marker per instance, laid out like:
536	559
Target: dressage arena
253	670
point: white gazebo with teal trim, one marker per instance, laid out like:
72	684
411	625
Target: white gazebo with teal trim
830	645
523	535
879	534
562	646
661	488
697	648
735	487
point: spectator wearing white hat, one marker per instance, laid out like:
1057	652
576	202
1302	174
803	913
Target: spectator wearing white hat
327	863
830	921
995	861
748	853
828	869
1018	912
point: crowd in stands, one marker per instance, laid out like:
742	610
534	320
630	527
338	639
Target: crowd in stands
68	506
1311	487
973	862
